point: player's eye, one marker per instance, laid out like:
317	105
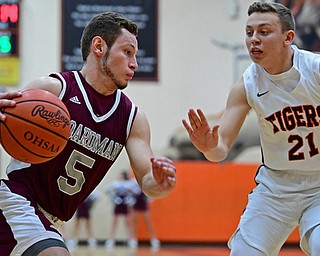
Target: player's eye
128	52
249	33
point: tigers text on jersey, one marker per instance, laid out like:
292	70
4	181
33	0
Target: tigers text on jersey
100	126
288	111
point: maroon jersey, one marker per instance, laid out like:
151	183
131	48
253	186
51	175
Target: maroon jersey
100	126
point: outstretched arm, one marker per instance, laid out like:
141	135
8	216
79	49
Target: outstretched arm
155	175
216	142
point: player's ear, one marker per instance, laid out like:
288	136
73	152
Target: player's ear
98	45
289	37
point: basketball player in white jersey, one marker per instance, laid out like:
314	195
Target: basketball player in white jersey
282	85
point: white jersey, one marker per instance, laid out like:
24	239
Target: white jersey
288	111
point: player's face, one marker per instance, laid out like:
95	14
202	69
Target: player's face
265	41
120	61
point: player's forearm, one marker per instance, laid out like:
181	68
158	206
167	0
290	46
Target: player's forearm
218	154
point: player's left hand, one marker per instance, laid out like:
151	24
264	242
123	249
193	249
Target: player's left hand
6	101
164	172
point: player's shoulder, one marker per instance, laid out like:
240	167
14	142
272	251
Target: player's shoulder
140	117
47	83
308	62
305	57
140	127
237	87
62	74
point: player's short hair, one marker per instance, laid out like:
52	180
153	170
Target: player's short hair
285	16
108	25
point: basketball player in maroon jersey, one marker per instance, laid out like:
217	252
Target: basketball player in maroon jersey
36	198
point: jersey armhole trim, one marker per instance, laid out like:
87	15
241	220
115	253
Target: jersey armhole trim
63	83
131	118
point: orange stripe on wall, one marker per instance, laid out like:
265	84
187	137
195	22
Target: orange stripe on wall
206	205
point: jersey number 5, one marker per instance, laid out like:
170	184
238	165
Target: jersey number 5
74	174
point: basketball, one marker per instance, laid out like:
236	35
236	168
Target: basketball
37	128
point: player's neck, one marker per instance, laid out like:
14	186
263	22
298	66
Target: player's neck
284	64
97	81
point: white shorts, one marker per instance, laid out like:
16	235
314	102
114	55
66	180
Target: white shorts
22	224
281	201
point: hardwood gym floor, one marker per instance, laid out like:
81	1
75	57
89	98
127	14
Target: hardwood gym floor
168	250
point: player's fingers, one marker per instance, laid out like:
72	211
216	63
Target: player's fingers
6	99
170	171
165	168
194	119
202	117
2	117
215	132
5	103
215	129
172	180
10	95
187	126
161	159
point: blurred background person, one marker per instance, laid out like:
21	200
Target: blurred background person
121	195
83	215
141	206
308	25
306	14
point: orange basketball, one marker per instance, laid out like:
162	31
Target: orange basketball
37	128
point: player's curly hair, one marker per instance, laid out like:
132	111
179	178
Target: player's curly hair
108	25
285	16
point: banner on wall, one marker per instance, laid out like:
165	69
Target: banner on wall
77	13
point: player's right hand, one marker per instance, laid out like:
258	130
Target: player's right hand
201	135
6	101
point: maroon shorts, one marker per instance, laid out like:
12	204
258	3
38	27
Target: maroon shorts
121	209
83	211
141	203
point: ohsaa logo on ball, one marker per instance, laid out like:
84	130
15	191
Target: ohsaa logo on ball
41	142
